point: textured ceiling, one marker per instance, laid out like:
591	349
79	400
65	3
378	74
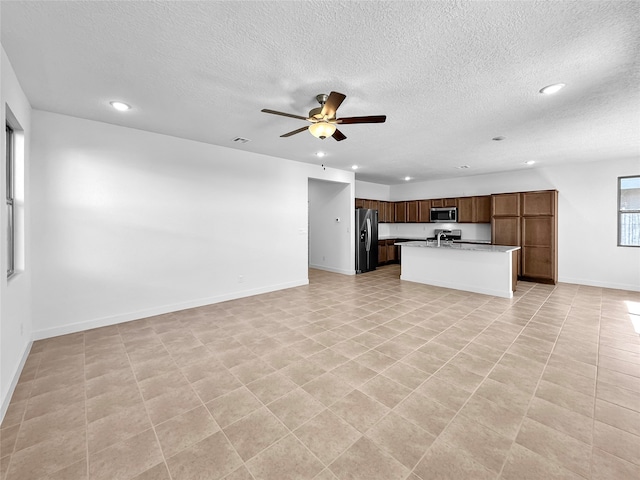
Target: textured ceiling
450	76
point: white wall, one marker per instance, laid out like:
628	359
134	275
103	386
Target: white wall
15	293
587	215
128	224
329	239
372	191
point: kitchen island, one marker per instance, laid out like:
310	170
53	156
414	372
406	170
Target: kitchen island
487	269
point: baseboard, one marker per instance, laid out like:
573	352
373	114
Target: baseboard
333	270
150	312
463	288
14	381
597	283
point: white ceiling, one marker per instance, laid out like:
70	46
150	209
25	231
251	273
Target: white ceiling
450	76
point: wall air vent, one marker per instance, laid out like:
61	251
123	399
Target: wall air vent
241	140
463	167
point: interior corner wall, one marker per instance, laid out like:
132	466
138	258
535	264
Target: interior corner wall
128	224
15	292
330	226
587	215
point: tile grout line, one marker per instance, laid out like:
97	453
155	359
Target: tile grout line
595	398
24	413
255	327
537	386
144	403
86	403
410	470
485	377
203	404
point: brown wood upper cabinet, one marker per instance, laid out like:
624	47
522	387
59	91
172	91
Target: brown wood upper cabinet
374	205
386	214
412	211
539	203
424	211
505	205
474	209
401	212
470	209
444	202
481	209
465	210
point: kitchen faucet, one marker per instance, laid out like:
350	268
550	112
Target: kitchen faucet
440	235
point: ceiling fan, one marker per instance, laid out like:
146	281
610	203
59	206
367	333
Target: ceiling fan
323	118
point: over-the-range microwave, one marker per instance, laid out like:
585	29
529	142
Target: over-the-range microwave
444	215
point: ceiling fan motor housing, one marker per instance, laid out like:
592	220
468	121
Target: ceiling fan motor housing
323	118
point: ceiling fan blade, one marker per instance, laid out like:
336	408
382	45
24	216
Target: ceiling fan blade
274	112
338	135
331	105
296	131
369	119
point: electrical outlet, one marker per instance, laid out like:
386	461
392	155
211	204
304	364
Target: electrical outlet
240	278
21	329
323	258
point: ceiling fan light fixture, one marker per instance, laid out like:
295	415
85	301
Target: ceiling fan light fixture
322	130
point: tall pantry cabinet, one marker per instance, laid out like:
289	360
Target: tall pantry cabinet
529	220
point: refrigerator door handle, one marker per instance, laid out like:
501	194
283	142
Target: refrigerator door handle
368	247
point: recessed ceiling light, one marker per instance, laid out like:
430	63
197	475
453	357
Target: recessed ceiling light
120	106
549	89
530	162
498	139
406	179
320	154
354	167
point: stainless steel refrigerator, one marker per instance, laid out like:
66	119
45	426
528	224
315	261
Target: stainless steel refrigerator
366	240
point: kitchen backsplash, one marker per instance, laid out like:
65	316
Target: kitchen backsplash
470	231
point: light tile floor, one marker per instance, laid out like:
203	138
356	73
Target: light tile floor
351	377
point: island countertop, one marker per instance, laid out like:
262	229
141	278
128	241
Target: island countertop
406	238
487	269
461	246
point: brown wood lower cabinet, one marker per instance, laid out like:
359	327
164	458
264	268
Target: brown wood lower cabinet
387	251
382	252
506	231
538	248
392	251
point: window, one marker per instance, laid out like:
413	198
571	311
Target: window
629	211
10	192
